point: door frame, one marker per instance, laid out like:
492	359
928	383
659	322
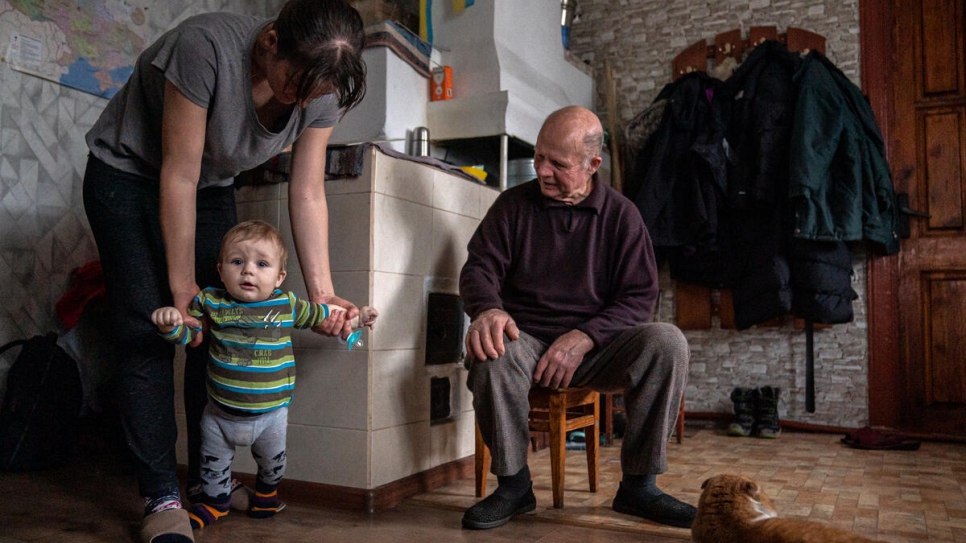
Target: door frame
877	58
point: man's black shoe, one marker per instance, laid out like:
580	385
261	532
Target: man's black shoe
664	509
496	510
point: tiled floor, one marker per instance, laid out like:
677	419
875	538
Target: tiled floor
891	496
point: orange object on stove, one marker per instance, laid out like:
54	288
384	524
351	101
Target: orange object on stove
441	84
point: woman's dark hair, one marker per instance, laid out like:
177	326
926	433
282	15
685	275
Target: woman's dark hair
323	41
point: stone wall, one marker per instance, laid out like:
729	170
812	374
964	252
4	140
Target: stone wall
640	38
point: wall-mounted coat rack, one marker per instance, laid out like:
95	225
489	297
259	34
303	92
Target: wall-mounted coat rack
697	56
695	304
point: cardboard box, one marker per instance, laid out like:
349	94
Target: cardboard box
441	84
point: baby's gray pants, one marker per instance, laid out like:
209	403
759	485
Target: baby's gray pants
221	432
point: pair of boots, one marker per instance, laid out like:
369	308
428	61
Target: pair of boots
756	412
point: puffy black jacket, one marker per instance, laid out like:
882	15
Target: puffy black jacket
821	273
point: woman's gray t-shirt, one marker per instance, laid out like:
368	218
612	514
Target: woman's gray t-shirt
207	57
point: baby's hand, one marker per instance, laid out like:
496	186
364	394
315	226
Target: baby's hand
167	318
367	316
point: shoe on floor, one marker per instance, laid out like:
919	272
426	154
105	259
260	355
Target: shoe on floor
868	438
166	526
665	509
744	405
496	510
766	413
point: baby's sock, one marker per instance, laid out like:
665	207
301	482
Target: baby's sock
208	510
264	503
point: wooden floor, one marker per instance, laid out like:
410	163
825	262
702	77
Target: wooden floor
895	496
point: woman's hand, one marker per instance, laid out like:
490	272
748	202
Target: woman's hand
341	313
182	298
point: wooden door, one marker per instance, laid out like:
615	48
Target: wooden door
917	86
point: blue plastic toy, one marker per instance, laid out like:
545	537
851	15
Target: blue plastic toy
354	339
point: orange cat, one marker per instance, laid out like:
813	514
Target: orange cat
734	509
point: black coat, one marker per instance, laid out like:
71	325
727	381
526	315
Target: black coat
759	101
672	185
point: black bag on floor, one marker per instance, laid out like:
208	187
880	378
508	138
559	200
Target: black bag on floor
41	406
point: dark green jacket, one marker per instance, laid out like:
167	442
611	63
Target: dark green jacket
840	187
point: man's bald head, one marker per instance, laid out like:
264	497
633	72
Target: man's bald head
580	123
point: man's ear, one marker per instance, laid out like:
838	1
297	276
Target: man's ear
595	163
271	41
281	277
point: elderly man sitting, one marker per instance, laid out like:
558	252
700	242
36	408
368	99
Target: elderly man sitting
560	284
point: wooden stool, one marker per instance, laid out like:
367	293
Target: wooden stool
556	412
607	421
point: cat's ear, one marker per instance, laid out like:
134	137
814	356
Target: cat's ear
750	488
705	483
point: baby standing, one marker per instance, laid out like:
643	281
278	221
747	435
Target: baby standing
251	366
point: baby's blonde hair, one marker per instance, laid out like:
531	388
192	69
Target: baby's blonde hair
257	230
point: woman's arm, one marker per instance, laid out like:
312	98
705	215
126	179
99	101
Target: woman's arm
182	144
309	215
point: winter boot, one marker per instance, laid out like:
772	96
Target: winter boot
766	415
744	399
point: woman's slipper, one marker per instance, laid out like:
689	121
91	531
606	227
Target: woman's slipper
168	526
870	439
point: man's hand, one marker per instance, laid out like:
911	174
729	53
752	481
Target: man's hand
484	338
557	366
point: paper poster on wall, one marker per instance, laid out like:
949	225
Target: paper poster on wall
90	46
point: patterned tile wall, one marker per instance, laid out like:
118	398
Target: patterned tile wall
640	38
43	229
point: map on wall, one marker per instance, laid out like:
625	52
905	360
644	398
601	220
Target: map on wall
89	45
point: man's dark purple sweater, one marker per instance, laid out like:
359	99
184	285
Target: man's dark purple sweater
555	267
